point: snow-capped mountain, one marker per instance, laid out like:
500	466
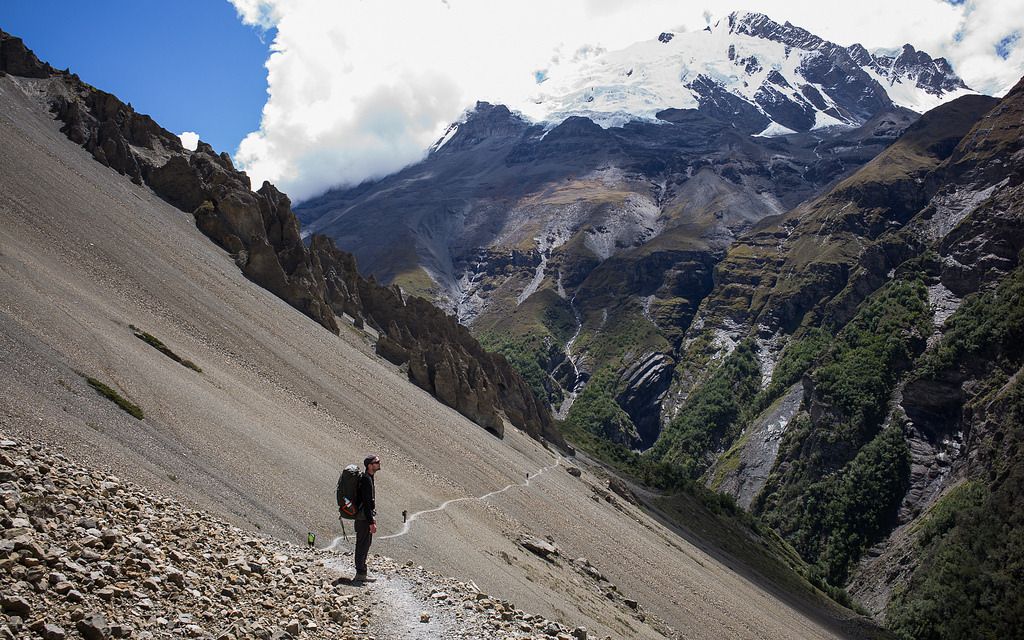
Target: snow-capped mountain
765	77
589	248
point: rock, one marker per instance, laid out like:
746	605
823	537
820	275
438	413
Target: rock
52	632
93	627
619	487
424	616
580	633
574	471
110	537
540	547
15	605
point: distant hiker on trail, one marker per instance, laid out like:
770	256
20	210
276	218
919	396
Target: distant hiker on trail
366	518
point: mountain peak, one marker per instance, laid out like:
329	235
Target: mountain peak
787	79
485	122
758	25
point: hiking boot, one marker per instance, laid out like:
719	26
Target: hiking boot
363	577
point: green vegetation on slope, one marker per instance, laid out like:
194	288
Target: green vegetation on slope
595	411
796	359
988	327
798	356
618	338
528	355
709	421
125	405
968	583
870	355
971	544
838	481
861	503
154	342
531	338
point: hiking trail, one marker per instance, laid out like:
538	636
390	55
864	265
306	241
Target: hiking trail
407	525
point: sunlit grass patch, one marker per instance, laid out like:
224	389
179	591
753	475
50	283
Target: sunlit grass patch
155	342
127	406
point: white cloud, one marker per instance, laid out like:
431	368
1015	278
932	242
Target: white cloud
189	140
360	88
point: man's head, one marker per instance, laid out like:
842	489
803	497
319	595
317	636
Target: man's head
372	463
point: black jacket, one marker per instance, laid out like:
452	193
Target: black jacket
367	499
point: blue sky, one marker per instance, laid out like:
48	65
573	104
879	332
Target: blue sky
190	64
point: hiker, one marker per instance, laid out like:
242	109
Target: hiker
366	517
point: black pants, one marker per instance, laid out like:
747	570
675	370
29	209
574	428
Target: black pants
363	540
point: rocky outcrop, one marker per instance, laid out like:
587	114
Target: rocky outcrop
441	356
18	60
262	234
743	471
543	548
644	386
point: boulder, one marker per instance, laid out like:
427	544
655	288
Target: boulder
542	548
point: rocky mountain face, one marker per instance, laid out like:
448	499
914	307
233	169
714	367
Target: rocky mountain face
581	251
129	337
262	233
853	369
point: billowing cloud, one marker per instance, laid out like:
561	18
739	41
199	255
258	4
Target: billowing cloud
360	88
189	140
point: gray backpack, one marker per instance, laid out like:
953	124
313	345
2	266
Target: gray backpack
348	492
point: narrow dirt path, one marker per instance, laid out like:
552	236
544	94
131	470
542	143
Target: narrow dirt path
405	603
335	544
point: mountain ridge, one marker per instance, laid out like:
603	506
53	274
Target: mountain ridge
260	231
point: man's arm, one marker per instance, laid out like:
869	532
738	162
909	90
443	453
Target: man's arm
367	502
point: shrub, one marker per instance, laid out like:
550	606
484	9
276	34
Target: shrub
708	422
115	397
154	342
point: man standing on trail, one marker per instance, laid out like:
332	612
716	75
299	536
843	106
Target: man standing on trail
366	517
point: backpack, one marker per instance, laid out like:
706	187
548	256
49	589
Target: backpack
348	492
